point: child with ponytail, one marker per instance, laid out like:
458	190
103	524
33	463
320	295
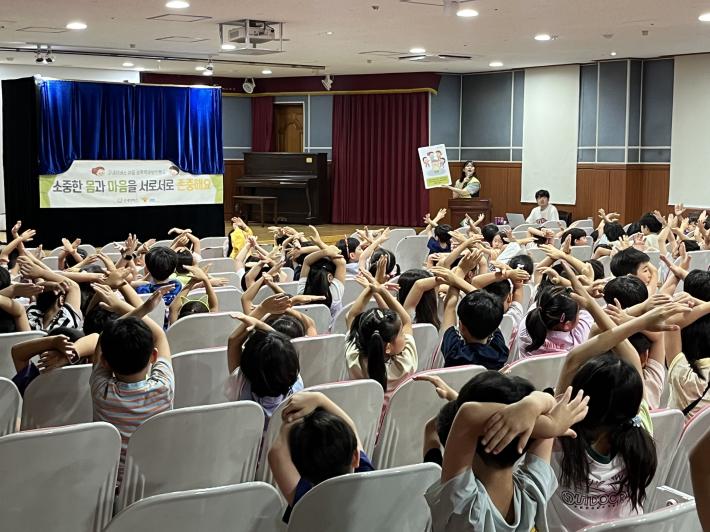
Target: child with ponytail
323	274
380	345
555	324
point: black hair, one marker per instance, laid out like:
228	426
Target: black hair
546	282
286	324
301	258
427	310
598	268
161	262
489	232
5	278
69	332
627	262
542	193
554	306
481	313
444	420
441	232
371	331
494	387
690	245
614	231
391	262
463	170
46	299
127	345
501	289
184	258
633	228
97	318
229	244
345	251
270	362
695	339
192	307
12	258
615	390
650	221
575	233
522	262
264	269
317	283
70	261
641	342
627	289
322	446
595	235
697	284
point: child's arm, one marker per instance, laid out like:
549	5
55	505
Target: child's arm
417	291
365	255
196	246
23	352
452	299
26	236
390	301
450	278
159	339
201	276
73	294
242	255
55	359
361	302
451	257
176	305
308	323
481	281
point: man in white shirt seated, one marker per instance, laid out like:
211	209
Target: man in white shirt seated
545	211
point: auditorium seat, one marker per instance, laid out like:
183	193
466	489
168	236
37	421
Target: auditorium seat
678	476
667	428
352	290
506	327
212	253
229	297
679	518
10	406
318	313
542	370
582	252
290	288
200	331
199	377
219	265
322	358
7	341
412	252
213	242
158	313
395	237
426	338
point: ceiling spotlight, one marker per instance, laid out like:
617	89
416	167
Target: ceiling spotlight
207	73
210	66
328	81
543	37
76	26
417	51
199	68
229	47
49	56
466	12
249	86
177	4
39	57
705	17
329	33
127	64
266	71
613	53
496	64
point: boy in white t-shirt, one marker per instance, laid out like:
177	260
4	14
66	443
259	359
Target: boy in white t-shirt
545	211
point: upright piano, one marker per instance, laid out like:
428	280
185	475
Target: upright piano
298	180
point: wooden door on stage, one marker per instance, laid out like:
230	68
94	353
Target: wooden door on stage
288	127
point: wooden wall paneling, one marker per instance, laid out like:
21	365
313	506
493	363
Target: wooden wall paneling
592	193
626	190
233	170
656	182
514	191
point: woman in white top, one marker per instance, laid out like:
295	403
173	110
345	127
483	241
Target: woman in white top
545	211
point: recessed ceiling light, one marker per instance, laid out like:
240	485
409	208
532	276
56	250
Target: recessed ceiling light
417	51
496	64
177	4
207	73
76	26
467	13
229	47
705	17
127	64
140	69
613	53
199	68
266	71
415	57
543	37
329	33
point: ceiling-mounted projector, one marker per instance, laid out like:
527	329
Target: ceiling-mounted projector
258	32
249	86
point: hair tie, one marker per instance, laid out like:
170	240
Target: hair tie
636	421
380	314
376	333
562	318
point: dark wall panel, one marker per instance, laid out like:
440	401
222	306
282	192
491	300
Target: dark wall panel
518	107
588	75
236	123
612	103
445	107
657	103
321	121
635	103
486	110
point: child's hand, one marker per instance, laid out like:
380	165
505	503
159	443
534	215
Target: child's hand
457	236
392	287
568	412
381	273
67	246
512	421
441	214
198	273
552	252
16	228
108	299
145	247
250	322
26	290
657	317
155	298
30	270
28	235
110	266
679	209
567	245
52	359
374	285
442	389
276	304
300	404
470	261
305	300
517	276
116	278
39	254
444	275
316	235
616	313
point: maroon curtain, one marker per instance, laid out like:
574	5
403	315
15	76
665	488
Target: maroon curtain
377	178
262	124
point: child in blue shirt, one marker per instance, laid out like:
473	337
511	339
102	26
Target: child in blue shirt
439	237
161	262
317	441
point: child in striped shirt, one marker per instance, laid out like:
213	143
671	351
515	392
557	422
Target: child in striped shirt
133	375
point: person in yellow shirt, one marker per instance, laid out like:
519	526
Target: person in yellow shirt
238	236
468	186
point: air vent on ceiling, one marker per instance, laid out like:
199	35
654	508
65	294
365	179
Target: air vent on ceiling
434	3
382	53
38	29
175	38
171	17
434	58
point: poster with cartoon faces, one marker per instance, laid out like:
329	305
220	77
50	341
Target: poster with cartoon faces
435	166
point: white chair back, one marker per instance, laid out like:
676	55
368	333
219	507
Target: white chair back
606	262
506	327
412	252
56	251
678	518
71	470
158	313
322	358
288	273
213	242
524	227
678	476
290	288
340	325
667	428
115	257
60	397
394	500
426	338
90	250
234	279
219	265
318	313
555	224
585	223
212	253
699	260
228	297
51	262
396	236
352	291
7	341
193	448
163	244
655	257
200	331
537	254
412	405
582	252
10	406
527	296
520	234
199	377
542	370
250	507
361	400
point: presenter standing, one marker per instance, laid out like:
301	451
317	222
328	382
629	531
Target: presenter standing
468	186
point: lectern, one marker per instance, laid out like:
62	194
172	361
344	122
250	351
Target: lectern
458	208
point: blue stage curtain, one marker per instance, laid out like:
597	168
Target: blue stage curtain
108	121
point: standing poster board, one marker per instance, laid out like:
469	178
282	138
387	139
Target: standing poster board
435	166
